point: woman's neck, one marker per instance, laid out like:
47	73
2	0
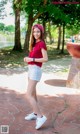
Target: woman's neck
38	40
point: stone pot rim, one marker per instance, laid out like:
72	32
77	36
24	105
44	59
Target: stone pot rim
73	49
73	43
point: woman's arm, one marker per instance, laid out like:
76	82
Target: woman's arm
43	59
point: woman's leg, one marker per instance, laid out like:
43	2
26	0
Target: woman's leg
34	91
31	96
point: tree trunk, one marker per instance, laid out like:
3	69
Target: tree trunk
17	41
59	38
31	19
49	31
44	25
62	50
28	32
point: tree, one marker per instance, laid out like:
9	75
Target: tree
2	11
59	37
63	15
2	26
74	18
17	9
33	12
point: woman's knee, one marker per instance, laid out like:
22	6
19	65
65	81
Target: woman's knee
30	95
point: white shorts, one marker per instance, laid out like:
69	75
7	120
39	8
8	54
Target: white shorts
34	72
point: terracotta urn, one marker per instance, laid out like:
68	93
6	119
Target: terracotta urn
74	49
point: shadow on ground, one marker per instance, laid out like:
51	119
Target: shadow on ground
56	82
12	71
63	113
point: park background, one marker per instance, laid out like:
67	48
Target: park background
61	23
59	103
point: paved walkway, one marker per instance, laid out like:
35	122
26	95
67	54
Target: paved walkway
60	104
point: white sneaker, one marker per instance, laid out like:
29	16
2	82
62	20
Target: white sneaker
31	116
40	122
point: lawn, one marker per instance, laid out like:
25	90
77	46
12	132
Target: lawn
11	59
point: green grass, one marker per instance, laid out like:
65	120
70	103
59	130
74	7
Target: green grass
11	59
53	53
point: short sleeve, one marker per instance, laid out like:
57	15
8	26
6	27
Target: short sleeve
43	45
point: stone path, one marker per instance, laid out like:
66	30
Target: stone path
60	104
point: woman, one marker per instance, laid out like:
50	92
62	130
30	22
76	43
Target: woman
37	55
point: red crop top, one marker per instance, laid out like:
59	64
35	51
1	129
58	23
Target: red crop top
36	52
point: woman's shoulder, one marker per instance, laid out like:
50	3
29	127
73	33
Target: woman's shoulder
42	42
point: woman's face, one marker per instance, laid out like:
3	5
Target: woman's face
36	33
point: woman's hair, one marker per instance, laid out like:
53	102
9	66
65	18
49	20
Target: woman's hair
32	39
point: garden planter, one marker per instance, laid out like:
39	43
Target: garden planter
74	72
74	49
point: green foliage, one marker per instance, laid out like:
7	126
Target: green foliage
2	26
10	28
2	12
33	6
72	30
16	4
62	14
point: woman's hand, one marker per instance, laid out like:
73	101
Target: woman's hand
27	59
